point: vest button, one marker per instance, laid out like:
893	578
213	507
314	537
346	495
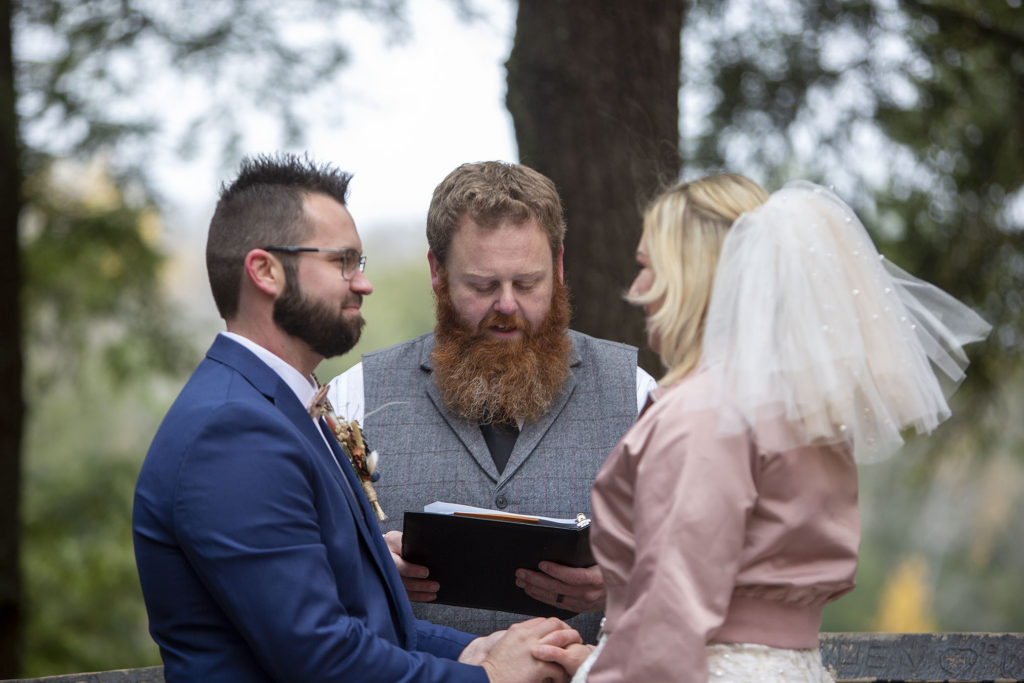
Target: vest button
501	502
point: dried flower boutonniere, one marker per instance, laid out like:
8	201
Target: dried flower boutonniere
350	436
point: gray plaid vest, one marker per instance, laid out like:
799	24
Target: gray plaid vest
429	454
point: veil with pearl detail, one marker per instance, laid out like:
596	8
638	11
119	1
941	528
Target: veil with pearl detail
809	326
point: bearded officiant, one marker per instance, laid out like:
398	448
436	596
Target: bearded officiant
502	406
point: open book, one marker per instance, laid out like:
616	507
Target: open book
473	553
441	508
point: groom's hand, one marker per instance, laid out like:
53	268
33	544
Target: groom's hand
479	648
577	589
510	660
414	576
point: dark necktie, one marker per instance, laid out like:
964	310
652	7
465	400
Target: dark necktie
501	438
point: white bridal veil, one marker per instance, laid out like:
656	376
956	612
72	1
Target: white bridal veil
809	323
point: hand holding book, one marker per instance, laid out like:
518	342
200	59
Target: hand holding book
415	577
577	589
474	554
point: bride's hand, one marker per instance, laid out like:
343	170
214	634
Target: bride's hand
557	648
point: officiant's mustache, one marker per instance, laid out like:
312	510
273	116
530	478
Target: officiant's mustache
484	378
504	320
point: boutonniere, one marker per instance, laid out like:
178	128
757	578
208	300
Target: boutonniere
350	436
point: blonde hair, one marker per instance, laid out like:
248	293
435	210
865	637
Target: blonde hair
684	229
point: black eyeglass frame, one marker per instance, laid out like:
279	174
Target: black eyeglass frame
353	259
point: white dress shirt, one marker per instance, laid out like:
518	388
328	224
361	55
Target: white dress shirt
346	392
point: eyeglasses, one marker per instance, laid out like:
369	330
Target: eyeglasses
350	258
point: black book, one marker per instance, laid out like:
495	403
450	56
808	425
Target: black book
474	553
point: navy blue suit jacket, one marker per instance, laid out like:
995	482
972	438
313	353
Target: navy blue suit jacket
259	556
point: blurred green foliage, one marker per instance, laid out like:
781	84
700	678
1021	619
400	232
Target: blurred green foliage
92	265
911	109
84	605
102	344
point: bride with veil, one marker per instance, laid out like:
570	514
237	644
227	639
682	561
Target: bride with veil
727	517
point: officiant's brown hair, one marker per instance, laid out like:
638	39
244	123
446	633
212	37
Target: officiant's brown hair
263	207
491	193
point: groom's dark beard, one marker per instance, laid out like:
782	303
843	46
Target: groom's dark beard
328	332
500	380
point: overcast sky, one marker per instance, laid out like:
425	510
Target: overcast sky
408	113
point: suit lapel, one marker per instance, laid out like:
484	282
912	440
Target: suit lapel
351	489
366	520
270	384
532	432
336	465
468	432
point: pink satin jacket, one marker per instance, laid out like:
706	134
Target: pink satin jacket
704	538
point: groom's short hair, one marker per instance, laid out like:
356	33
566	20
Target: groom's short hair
263	207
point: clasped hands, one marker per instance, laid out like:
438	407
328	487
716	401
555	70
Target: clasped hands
555	647
544	650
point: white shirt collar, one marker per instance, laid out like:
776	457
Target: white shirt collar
304	387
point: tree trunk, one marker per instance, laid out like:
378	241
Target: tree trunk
11	403
593	89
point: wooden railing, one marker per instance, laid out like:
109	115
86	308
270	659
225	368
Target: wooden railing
849	656
152	674
924	656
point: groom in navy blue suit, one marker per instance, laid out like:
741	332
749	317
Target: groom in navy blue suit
260	557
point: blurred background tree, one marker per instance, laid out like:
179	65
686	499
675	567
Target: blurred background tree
909	108
82	278
593	89
102	336
12	407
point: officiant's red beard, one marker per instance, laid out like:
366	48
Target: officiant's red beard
486	379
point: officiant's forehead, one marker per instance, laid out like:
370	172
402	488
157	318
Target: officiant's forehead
499	246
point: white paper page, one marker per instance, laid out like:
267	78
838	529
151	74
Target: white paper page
443	508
